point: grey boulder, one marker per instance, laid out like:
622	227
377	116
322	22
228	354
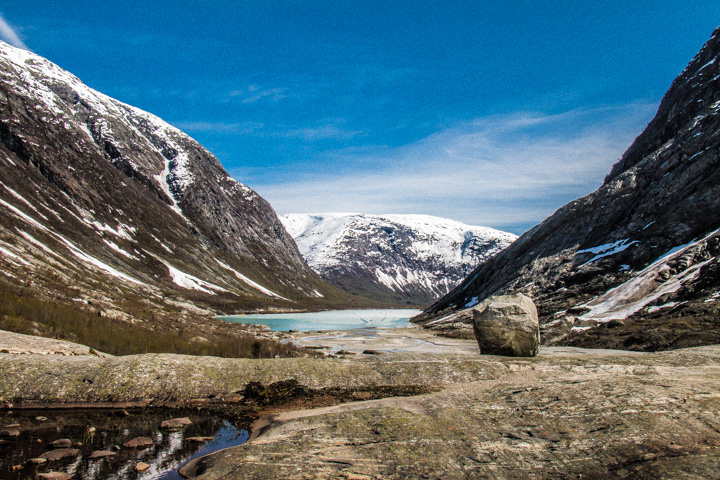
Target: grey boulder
507	325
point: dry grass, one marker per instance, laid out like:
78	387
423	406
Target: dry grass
25	314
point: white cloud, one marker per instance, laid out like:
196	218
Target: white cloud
497	171
254	93
234	128
8	34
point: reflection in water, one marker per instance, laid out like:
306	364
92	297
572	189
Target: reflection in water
93	430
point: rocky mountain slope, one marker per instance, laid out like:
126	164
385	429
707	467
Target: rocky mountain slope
636	263
402	258
105	205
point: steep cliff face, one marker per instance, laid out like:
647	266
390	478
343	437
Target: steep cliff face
641	250
101	202
402	258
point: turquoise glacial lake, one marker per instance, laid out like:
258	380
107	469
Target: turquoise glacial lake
332	320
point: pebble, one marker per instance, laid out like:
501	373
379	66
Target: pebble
10	433
139	442
60	453
53	476
41	419
101	454
176	423
141	467
62	443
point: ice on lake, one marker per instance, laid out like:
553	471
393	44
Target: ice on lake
331	320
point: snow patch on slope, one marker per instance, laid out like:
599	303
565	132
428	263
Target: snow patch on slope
624	300
255	285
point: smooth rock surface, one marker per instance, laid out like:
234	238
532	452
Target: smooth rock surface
507	325
564	414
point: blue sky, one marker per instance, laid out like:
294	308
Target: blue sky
489	112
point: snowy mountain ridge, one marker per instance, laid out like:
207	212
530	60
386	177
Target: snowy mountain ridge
101	202
412	257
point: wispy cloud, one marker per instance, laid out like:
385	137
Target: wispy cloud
323	132
499	170
329	129
9	35
234	128
255	93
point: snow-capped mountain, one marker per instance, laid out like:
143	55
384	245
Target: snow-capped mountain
102	203
408	258
635	264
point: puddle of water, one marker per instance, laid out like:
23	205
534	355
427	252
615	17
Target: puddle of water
170	449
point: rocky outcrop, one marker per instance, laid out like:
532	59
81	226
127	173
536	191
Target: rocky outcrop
642	415
17	343
105	206
507	325
645	241
563	414
410	259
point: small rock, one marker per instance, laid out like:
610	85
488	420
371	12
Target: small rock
372	352
12	425
139	442
345	352
10	433
62	443
199	439
176	423
60	453
41	419
53	476
141	467
101	454
37	461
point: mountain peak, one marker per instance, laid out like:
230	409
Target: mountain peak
401	258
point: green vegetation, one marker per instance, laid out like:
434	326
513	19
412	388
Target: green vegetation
25	314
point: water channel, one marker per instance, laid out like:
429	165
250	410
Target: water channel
31	434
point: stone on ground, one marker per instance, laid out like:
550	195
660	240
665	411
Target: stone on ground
507	325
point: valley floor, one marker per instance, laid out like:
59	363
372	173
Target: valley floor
568	413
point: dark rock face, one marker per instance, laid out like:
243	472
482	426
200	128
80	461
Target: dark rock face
645	241
104	204
507	325
410	259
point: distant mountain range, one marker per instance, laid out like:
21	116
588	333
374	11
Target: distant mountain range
411	259
635	264
106	205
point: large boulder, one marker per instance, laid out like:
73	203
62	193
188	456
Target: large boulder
507	325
